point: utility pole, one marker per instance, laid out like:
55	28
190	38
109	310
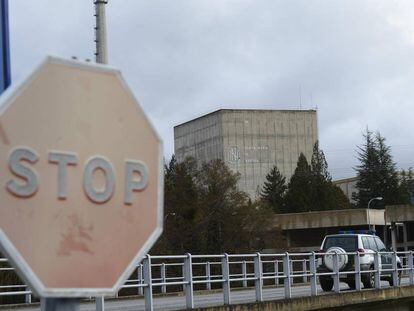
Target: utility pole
100	32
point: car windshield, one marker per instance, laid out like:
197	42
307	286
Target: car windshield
348	243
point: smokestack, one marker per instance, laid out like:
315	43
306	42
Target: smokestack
100	32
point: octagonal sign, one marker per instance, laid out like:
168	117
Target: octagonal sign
81	181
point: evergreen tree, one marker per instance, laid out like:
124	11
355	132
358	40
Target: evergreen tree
319	165
367	171
388	182
311	187
274	190
299	195
323	193
377	176
326	195
406	187
341	200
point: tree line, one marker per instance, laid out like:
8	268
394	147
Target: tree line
310	187
206	213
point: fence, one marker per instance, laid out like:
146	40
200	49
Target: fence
189	273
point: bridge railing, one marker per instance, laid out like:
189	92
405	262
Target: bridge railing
190	273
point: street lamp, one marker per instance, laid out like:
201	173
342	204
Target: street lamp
373	199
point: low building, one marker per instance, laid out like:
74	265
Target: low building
305	231
400	224
348	187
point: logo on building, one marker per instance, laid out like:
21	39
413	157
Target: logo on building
234	155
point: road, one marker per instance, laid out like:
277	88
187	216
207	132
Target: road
204	299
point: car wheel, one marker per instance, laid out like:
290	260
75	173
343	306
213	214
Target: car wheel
326	284
369	280
391	280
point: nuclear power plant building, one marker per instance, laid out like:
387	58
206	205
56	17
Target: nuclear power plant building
250	142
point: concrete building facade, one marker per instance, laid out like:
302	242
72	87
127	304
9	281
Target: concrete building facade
305	231
250	142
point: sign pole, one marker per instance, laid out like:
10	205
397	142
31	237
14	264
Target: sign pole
5	74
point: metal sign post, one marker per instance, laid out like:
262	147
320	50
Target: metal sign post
5	75
60	304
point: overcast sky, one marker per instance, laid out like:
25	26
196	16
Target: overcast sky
353	60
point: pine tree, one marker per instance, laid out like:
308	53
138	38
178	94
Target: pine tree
367	171
319	165
388	173
406	186
326	195
274	190
323	193
377	176
299	194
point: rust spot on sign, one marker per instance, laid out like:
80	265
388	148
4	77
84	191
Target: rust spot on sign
77	238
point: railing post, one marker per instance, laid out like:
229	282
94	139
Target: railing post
258	282
244	272
276	272
188	279
182	273
292	271
305	270
208	274
225	272
312	269
377	269
100	303
357	264
140	280
394	269
336	271
149	305
411	268
287	276
28	297
163	273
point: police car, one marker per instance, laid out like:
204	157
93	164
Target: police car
366	243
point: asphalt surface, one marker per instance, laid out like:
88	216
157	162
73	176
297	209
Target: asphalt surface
205	299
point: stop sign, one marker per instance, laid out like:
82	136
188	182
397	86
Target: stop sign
81	179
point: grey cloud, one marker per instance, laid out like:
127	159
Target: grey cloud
351	59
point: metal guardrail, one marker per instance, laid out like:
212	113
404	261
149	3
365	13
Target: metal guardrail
226	271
